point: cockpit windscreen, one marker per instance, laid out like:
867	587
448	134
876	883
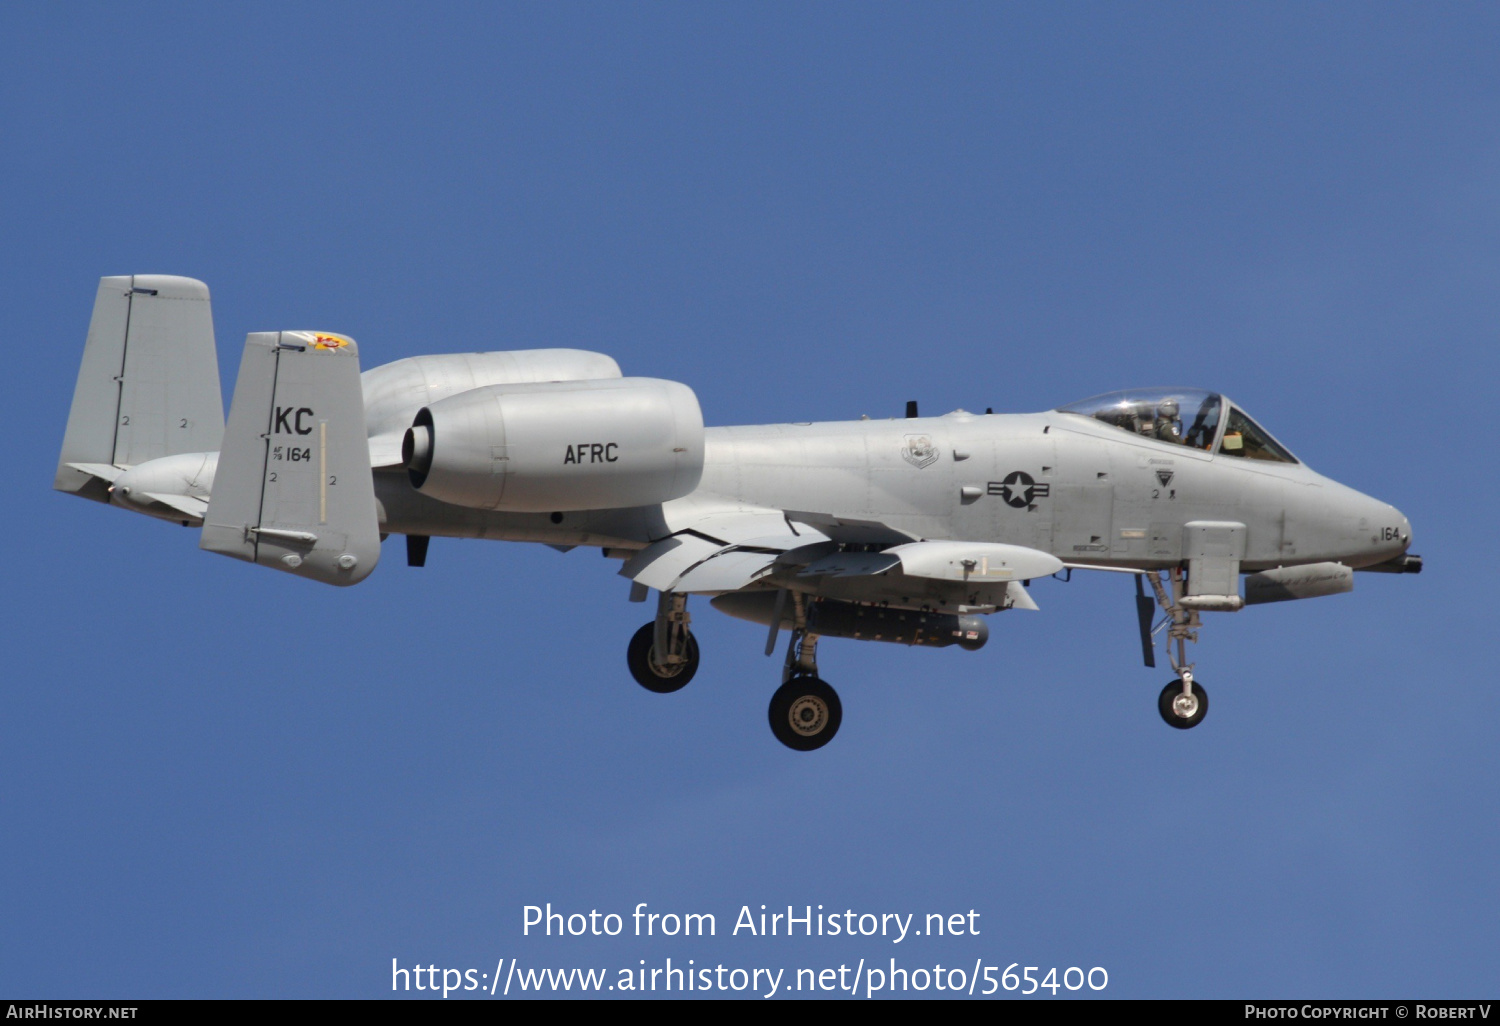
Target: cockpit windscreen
1183	416
1248	440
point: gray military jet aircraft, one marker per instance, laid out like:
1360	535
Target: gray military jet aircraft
904	530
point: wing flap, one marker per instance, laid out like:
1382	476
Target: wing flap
726	570
661	563
722	552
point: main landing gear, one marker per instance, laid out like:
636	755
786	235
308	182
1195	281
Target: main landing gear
663	655
1183	703
805	712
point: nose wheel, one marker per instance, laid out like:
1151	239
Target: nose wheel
1183	705
805	713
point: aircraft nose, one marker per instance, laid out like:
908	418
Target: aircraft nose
1392	530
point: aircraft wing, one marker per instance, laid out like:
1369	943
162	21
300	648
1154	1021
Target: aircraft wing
720	551
726	551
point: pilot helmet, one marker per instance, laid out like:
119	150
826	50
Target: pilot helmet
1168	409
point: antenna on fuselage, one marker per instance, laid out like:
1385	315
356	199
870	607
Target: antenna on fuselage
911	407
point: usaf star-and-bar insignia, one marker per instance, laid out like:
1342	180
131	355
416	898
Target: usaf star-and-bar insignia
1019	489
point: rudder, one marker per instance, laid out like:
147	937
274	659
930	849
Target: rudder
294	489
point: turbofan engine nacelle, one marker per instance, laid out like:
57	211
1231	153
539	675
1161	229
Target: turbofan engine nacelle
555	446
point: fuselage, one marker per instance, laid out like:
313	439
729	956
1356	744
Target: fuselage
1055	481
1109	481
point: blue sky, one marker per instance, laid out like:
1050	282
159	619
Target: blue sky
225	782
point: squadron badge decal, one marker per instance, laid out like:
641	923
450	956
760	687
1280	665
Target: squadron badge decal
919	451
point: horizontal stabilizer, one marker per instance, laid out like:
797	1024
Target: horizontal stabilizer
293	489
172	488
190	505
385	450
103	471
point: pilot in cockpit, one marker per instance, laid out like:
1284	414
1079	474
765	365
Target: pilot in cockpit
1158	414
1168	421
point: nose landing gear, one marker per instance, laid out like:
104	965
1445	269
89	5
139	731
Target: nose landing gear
1183	703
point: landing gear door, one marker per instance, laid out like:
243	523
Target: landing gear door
1213	550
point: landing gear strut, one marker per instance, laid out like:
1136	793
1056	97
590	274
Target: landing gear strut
1183	702
663	655
805	712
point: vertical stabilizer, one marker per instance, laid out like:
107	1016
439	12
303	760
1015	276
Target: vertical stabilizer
148	385
293	490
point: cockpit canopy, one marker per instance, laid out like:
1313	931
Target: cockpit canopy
1184	416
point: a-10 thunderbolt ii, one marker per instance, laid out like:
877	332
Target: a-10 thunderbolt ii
906	530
